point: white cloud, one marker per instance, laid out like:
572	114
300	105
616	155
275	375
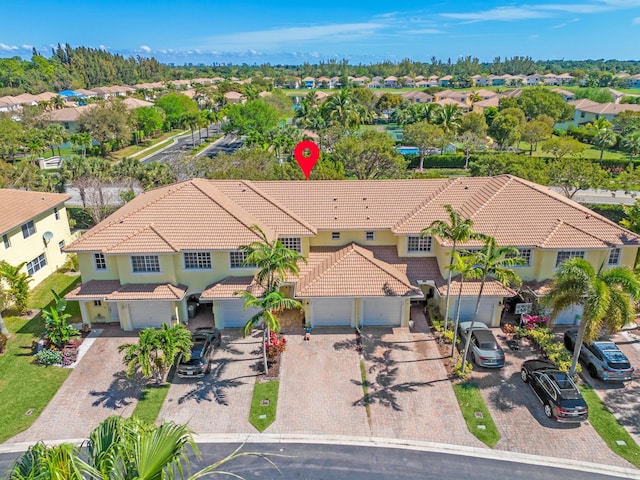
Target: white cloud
636	21
424	31
145	48
24	46
7	48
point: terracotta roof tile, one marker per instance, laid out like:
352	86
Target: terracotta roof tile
111	290
228	287
20	206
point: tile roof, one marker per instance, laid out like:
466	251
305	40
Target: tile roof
352	271
228	287
585	105
111	291
20	206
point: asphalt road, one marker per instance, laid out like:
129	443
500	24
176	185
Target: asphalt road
183	144
324	462
619	197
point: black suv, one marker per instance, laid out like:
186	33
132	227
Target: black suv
602	358
204	342
559	395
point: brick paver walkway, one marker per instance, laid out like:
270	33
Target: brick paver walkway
96	389
220	402
520	419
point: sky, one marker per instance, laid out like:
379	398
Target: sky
288	32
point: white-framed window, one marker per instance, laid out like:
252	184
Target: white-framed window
614	256
419	244
370	236
564	255
525	254
292	243
56	213
36	264
97	303
335	235
61	245
99	261
145	263
28	229
7	243
197	260
237	258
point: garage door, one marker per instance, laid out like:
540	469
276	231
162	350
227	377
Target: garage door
149	314
337	311
231	313
467	307
568	315
382	311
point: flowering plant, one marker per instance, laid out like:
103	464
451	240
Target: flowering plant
275	346
534	321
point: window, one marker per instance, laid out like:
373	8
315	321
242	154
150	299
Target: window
237	258
196	260
145	263
369	235
61	245
100	261
335	235
7	243
419	244
36	264
28	229
56	213
97	303
563	256
525	254
292	243
614	256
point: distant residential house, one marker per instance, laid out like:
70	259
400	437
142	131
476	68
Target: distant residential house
486	94
464	107
424	83
309	82
234	97
459	96
497	80
391	82
433	81
324	82
8	104
374	84
534	79
565	79
416	96
587	110
479	107
446	81
566	94
409	81
634	81
480	81
34	230
68	117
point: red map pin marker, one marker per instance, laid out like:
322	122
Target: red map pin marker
306	162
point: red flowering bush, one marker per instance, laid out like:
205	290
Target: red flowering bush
275	346
534	321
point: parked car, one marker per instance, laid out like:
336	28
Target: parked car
602	358
485	350
205	340
560	397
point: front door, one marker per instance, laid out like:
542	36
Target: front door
113	312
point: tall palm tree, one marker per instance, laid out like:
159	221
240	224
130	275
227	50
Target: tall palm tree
631	143
495	262
268	305
458	230
606	297
174	340
144	355
605	139
463	265
450	116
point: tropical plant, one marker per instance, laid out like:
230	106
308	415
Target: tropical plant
495	262
631	144
174	340
605	139
59	331
463	265
18	283
124	449
458	230
606	296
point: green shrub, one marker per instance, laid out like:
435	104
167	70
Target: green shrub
551	347
436	161
48	357
3	342
457	369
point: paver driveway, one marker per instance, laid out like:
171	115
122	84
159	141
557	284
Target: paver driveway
518	415
96	389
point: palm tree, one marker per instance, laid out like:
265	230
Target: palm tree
495	262
457	230
606	296
144	355
273	260
631	143
271	303
450	115
465	268
174	340
604	139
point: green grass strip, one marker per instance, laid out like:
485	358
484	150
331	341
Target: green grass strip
261	416
471	401
151	401
609	428
365	389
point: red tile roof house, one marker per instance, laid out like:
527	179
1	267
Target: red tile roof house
366	259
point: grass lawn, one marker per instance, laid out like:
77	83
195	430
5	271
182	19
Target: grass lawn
134	150
471	401
591	153
264	391
151	401
23	384
608	427
41	295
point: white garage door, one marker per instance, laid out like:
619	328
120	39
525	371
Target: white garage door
382	311
149	314
467	307
231	313
336	311
568	315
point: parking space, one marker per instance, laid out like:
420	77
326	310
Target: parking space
519	416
